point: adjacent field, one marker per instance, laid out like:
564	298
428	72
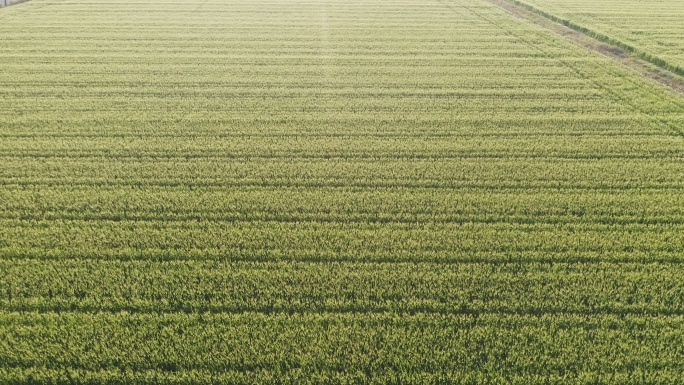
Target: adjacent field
331	192
653	28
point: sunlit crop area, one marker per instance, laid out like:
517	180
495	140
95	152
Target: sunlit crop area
390	191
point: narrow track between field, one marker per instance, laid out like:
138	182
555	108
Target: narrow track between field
657	73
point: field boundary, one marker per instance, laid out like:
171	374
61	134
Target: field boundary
650	66
11	2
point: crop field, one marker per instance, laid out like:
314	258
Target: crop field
313	191
654	28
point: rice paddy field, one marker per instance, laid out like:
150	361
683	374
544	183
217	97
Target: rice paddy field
339	192
654	28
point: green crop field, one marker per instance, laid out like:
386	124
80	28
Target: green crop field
314	191
655	28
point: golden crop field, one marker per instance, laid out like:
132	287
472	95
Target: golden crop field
333	192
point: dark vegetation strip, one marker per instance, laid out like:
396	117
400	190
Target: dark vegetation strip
369	219
188	309
488	258
215	156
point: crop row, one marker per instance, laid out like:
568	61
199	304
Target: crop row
350	287
341	172
410	205
223	125
336	347
257	240
594	147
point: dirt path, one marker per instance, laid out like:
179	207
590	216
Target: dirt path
7	3
659	74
